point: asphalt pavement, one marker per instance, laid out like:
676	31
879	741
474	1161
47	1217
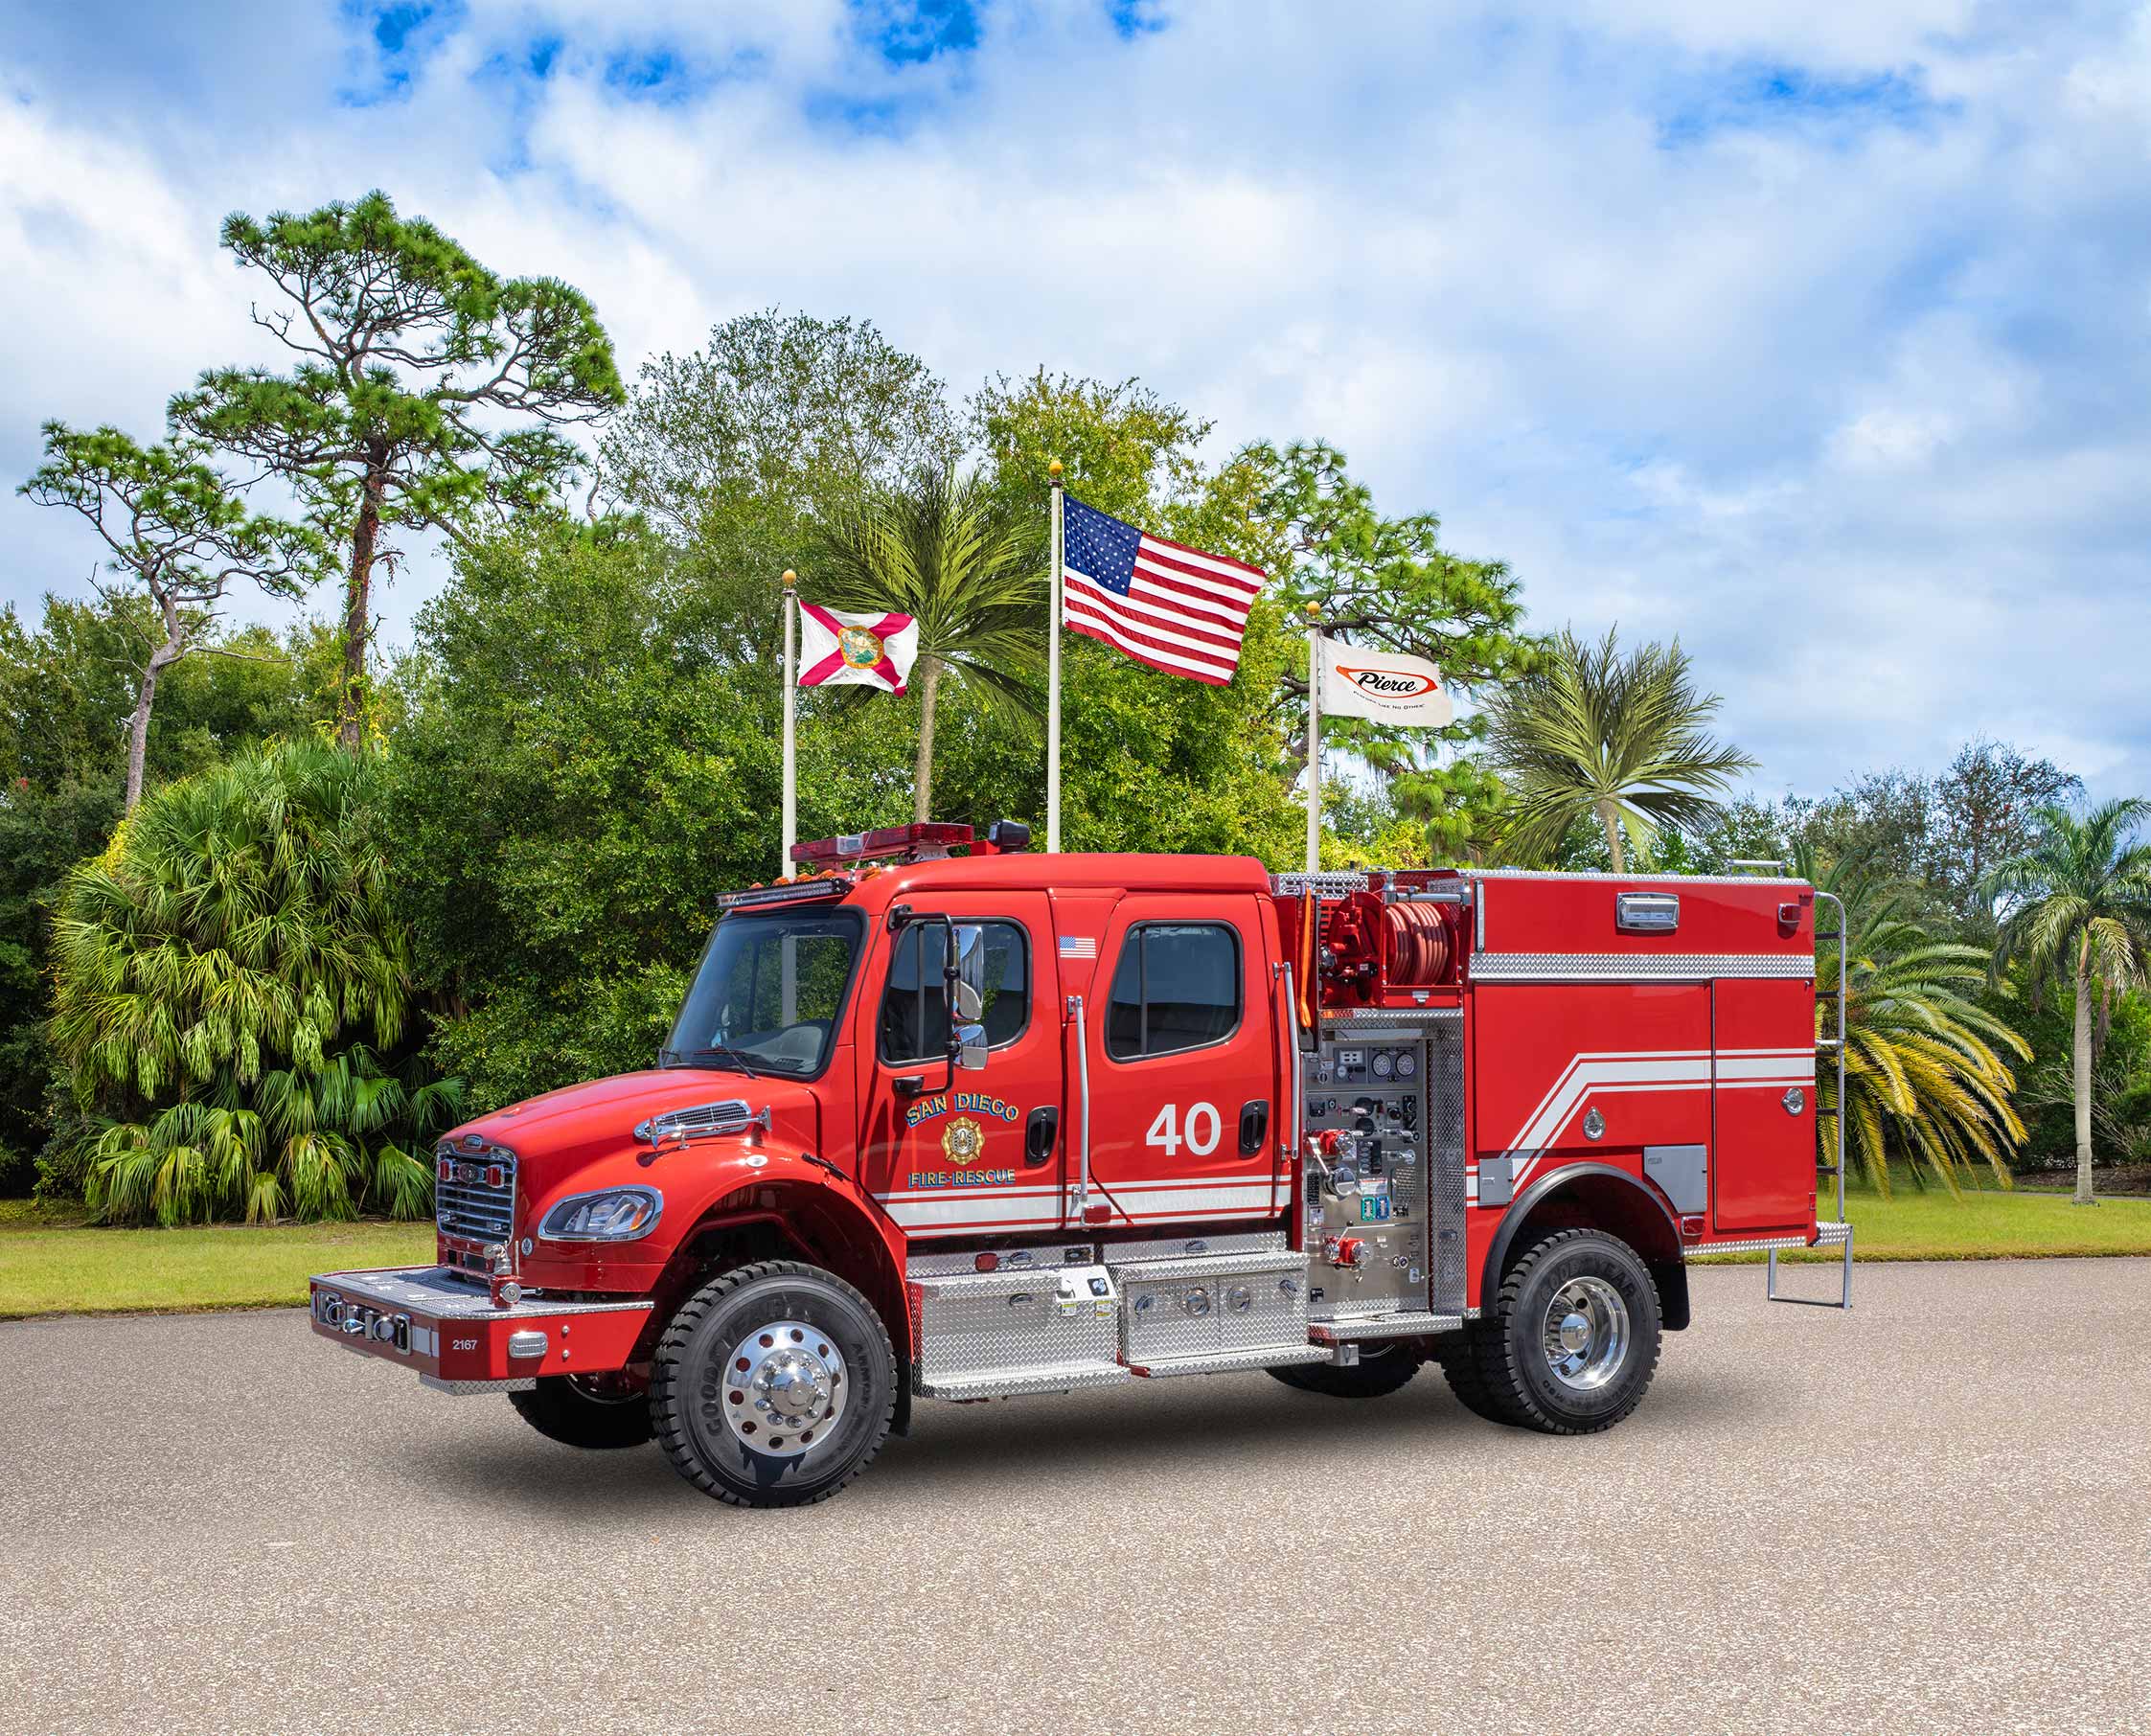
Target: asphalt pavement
1932	1515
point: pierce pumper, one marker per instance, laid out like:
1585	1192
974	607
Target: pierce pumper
946	1118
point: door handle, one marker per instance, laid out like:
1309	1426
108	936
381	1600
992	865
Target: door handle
1040	1131
1254	1125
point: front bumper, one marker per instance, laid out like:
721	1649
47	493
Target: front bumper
445	1328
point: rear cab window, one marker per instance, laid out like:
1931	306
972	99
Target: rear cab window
1175	986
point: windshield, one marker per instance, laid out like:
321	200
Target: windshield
766	997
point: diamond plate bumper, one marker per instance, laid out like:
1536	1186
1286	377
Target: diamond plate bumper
445	1329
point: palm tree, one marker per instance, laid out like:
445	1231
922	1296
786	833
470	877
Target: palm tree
214	973
944	551
1621	737
1923	1074
2078	907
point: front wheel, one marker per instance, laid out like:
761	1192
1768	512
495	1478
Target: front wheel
773	1386
1572	1339
584	1411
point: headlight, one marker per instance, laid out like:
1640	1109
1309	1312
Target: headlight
619	1213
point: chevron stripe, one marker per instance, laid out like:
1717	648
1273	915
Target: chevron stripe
1617	1072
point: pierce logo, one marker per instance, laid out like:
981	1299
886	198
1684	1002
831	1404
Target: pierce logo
1389	683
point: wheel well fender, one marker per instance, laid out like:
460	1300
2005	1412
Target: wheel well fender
1595	1195
791	1208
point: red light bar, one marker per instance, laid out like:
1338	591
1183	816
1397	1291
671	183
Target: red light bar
922	840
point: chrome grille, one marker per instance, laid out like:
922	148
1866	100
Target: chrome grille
475	1194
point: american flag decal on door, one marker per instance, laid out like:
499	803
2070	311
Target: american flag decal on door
1079	946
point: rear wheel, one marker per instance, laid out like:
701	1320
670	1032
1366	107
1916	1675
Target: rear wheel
585	1410
1572	1339
1459	1367
1377	1372
773	1386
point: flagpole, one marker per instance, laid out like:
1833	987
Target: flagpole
1053	676
1313	738
790	607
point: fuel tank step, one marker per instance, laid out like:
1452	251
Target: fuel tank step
1225	1361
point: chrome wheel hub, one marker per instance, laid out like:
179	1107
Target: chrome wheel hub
782	1388
1586	1333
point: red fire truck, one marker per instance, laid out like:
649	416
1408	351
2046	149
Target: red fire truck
949	1119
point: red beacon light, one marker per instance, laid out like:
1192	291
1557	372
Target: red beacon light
922	841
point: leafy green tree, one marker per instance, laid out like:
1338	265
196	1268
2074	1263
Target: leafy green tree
172	526
67	692
583	769
1925	1077
734	450
217	972
1388	582
946	552
1149	762
1624	738
426	390
1986	811
2078	907
44	832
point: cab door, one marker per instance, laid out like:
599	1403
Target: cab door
980	1151
1182	1056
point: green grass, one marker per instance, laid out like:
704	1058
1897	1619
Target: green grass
53	1264
1984	1225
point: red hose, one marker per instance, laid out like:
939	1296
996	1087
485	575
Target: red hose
1418	945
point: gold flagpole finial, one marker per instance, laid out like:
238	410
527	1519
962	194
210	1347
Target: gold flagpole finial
1053	468
1313	611
791	579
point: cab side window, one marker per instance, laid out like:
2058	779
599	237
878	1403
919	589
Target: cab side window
1177	986
914	1024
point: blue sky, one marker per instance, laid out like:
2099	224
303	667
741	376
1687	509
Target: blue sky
1820	335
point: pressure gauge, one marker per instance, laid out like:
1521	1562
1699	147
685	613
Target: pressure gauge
1385	1064
1407	1064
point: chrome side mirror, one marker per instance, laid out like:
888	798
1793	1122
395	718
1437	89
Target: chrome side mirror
971	1048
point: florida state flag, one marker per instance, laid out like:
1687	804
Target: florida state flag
839	649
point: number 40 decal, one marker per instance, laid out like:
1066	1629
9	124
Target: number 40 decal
1200	1126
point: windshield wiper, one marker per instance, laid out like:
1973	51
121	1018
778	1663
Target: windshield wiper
722	1051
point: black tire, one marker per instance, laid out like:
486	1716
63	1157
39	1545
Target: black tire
1373	1374
1514	1361
564	1408
1459	1367
813	1345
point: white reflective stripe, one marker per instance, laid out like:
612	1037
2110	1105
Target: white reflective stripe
994	1191
1589	1073
1004	1207
973	1211
1618	1072
1763	1064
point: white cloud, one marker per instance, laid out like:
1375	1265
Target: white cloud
1815	335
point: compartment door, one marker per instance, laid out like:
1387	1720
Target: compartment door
1762	1156
1594	1071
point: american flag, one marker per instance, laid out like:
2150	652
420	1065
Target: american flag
1164	604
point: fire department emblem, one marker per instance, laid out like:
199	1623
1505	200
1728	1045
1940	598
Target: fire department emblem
859	646
964	1141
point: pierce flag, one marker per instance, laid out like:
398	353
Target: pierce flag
1381	686
842	647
